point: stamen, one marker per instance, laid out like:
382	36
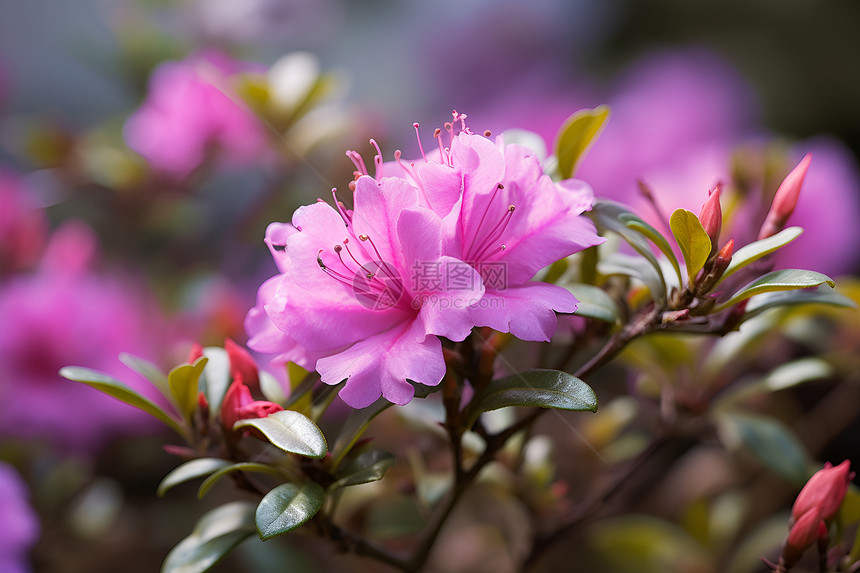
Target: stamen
438	136
358	161
347	219
488	133
377	160
389	272
494	235
368	273
418	137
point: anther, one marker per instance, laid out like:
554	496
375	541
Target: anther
488	133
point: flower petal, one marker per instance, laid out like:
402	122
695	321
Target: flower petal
524	311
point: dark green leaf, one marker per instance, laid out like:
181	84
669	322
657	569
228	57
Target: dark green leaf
576	135
770	441
692	239
786	279
365	468
291	431
286	507
240	467
594	302
190	470
184	384
754	251
213	537
539	388
120	391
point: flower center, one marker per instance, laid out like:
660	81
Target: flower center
486	241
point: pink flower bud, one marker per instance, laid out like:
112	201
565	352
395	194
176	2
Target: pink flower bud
195	353
785	199
825	490
711	217
242	366
808	529
238	396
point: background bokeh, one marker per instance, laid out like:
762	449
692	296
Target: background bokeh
104	250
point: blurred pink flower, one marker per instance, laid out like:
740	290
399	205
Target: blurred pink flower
64	314
190	111
23	227
18	522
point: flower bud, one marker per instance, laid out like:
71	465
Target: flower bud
785	199
195	353
805	532
825	491
711	217
238	395
242	366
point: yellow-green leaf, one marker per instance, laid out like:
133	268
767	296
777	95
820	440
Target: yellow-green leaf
576	135
184	381
692	239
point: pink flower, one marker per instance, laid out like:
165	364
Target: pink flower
65	314
345	299
430	251
189	111
824	491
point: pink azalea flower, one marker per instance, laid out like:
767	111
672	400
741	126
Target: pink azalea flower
431	251
65	314
18	522
190	110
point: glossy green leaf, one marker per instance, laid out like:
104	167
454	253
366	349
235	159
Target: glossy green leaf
611	216
754	251
594	302
786	279
820	295
634	222
188	471
213	537
120	391
541	389
229	468
286	507
575	137
692	239
365	468
149	371
290	431
184	383
769	440
216	377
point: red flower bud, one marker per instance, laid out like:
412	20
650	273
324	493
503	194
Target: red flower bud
785	199
242	366
808	529
238	396
196	352
711	217
825	491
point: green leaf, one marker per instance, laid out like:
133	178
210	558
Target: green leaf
769	440
634	222
286	507
541	389
692	239
120	391
151	372
820	295
594	302
188	471
300	388
754	251
217	378
637	267
365	468
786	279
213	537
576	135
184	384
240	467
290	431
611	216
784	376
